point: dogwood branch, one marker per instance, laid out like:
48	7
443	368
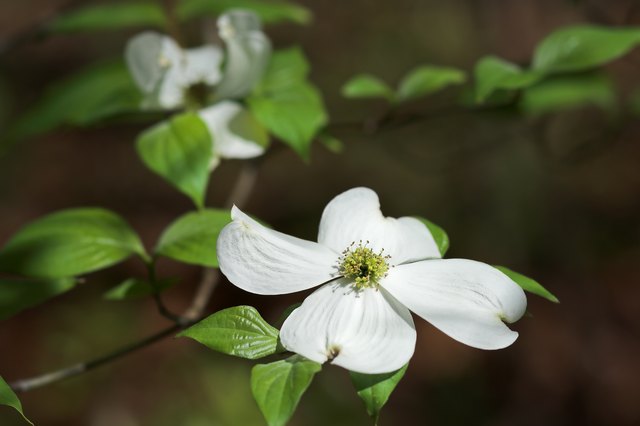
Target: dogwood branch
210	277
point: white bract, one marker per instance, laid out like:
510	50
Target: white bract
373	270
164	73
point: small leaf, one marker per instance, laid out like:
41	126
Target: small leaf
192	238
528	284
134	288
563	93
278	387
286	103
582	47
9	398
492	73
92	95
69	243
332	143
239	331
269	11
180	151
375	389
112	16
428	79
17	295
439	235
366	86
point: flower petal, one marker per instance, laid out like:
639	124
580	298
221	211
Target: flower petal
203	65
465	299
263	261
248	52
366	331
234	131
355	216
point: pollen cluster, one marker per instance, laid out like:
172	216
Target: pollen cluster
363	265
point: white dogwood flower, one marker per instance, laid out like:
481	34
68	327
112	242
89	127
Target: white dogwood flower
164	72
372	271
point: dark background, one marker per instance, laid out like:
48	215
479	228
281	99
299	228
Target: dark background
556	198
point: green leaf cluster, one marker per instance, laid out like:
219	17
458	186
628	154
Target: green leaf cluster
419	82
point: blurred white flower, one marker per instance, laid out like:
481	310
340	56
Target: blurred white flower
164	72
373	270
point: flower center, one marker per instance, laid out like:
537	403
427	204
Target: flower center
363	265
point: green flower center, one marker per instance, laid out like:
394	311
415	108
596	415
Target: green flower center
363	265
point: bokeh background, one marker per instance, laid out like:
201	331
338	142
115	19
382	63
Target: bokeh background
555	197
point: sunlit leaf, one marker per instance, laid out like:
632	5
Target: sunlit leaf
269	11
69	243
492	73
561	93
439	235
111	16
366	86
134	288
528	284
286	104
428	79
278	387
180	151
17	295
9	398
239	331
582	47
375	389
192	237
99	92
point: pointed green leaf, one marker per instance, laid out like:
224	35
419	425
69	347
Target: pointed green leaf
428	79
192	238
269	11
17	295
561	93
528	284
180	151
111	16
439	235
278	387
9	398
492	73
375	389
69	243
366	86
582	47
286	103
91	95
239	331
134	288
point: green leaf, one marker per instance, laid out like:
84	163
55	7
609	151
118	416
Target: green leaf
134	288
366	86
92	95
70	242
9	398
566	92
180	151
375	389
439	235
332	143
269	11
278	387
286	104
428	79
582	47
492	73
239	331
192	237
17	295
111	16
528	284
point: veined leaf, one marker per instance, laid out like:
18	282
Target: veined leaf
134	288
366	86
528	284
17	295
428	79
375	389
492	73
